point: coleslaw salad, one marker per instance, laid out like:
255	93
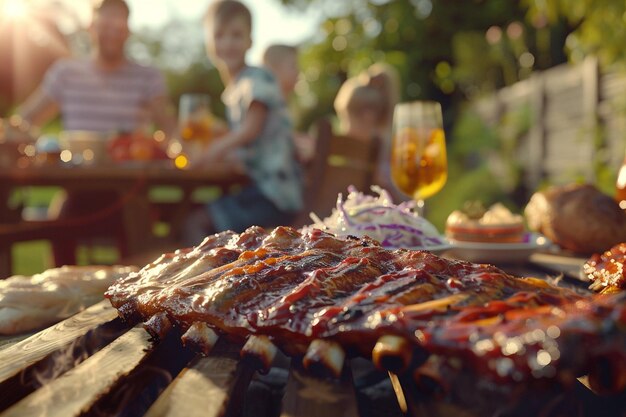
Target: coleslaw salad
393	225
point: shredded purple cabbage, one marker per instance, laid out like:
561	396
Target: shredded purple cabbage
360	214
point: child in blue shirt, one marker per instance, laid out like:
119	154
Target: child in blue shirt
260	132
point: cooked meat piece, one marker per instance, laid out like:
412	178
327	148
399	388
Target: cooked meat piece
296	288
511	340
606	270
577	217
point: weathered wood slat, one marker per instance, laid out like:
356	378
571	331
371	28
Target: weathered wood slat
570	99
308	396
518	93
563	78
577	154
211	386
556	122
53	338
612	85
75	391
8	341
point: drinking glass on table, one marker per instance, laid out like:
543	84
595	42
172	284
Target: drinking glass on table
195	118
419	165
195	123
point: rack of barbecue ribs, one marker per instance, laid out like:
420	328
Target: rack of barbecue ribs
318	297
606	270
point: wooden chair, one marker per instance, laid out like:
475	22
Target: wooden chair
340	161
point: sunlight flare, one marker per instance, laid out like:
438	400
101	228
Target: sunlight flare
13	9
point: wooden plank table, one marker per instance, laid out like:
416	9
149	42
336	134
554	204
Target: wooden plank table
131	180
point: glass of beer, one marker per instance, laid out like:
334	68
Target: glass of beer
419	166
195	119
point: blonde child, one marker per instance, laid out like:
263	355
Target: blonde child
260	127
364	105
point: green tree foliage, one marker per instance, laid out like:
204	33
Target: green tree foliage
444	50
599	26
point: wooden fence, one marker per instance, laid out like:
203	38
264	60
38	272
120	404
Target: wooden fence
577	122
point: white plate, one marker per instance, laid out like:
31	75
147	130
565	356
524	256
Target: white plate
494	253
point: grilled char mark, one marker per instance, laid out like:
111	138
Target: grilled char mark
390	290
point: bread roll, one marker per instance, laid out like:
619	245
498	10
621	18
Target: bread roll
577	217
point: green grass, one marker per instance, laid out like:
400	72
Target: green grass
31	257
36	256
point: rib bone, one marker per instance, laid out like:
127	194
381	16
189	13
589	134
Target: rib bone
324	357
260	351
392	353
158	326
200	336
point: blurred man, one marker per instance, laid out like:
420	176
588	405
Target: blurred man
103	93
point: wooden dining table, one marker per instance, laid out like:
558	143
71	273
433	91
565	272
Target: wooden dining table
131	180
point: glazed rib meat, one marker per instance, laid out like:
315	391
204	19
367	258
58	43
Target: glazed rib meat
606	270
299	287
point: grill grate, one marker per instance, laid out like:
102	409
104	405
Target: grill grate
93	364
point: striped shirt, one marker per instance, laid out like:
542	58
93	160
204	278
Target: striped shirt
102	101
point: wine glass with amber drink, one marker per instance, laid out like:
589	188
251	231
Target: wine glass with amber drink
195	117
195	122
419	166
